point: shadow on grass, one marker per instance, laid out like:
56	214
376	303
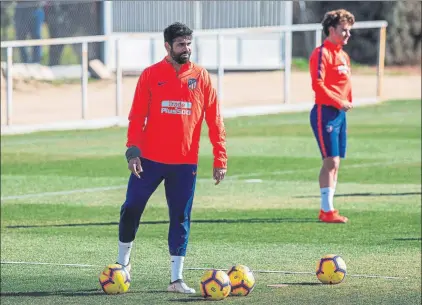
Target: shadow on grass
155	291
302	284
367	195
50	293
408	239
192	298
93	292
223	221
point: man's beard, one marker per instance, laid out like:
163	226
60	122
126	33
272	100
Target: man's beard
179	58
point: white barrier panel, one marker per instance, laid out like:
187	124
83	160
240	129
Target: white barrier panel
253	52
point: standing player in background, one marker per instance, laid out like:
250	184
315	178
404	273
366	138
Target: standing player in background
171	100
330	73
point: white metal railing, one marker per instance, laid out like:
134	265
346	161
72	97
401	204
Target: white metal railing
220	33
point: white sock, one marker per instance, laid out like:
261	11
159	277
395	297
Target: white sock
124	253
327	199
331	199
177	267
335	185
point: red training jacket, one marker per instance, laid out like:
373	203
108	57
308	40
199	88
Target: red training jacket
330	71
167	113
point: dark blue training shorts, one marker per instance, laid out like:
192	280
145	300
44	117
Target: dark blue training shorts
330	130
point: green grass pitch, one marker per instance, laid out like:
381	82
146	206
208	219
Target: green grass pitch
62	191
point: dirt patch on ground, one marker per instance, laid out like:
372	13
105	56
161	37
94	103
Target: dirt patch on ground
38	102
390	70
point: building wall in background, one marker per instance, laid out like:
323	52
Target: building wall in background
154	16
253	52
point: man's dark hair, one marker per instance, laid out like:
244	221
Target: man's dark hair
175	30
335	17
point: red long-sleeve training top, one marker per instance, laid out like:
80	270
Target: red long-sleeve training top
167	113
330	71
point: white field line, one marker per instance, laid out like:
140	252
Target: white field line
234	177
196	269
49	264
315	169
86	190
309	273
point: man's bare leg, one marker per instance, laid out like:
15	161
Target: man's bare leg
327	182
327	176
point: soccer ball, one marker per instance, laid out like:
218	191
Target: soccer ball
242	280
331	269
215	285
114	279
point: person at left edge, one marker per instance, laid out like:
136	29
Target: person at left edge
171	100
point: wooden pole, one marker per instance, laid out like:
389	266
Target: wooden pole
381	60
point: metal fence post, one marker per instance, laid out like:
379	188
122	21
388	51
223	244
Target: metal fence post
152	50
198	15
288	51
287	65
198	26
9	93
107	16
239	45
196	50
318	38
84	79
118	80
220	66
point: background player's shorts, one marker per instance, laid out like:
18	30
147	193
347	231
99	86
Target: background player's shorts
330	130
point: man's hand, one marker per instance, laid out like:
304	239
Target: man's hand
135	166
219	174
346	106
